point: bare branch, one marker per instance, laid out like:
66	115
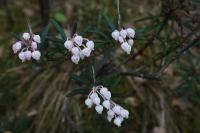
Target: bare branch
45	7
157	75
140	75
177	55
71	123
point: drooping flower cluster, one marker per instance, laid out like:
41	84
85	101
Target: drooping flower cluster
79	47
125	38
27	47
114	111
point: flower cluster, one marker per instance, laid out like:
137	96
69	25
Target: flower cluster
125	37
79	47
27	47
114	111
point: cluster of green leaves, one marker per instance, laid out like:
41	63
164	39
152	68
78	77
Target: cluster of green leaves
53	50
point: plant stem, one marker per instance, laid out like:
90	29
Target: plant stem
93	74
119	16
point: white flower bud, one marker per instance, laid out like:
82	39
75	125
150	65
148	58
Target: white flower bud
96	100
115	34
68	45
106	104
26	36
103	90
75	59
107	95
99	109
86	52
78	40
130	42
88	102
27	55
118	121
33	45
75	51
126	47
36	55
121	40
130	32
22	56
36	38
110	113
93	95
124	113
90	44
116	112
127	114
16	47
109	118
123	33
116	109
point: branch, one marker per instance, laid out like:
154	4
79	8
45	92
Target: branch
140	75
71	123
157	75
177	55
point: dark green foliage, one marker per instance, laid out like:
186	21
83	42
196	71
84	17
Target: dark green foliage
20	124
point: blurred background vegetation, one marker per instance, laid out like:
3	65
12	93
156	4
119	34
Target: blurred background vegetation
159	83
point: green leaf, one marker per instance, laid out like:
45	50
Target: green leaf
87	29
20	124
60	17
55	40
110	23
197	1
80	79
44	33
95	30
147	18
15	35
74	28
59	29
43	36
76	91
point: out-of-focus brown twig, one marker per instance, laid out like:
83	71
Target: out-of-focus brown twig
9	17
45	8
141	75
157	75
68	119
177	55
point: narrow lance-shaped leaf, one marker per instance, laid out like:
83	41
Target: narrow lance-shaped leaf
74	28
59	29
110	23
76	91
16	36
43	36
